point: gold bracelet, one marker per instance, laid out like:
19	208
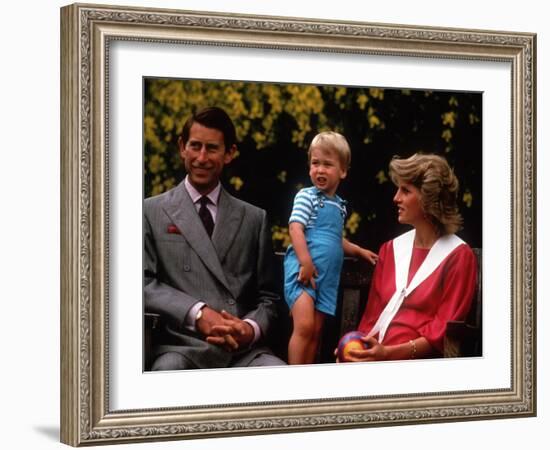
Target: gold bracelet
413	349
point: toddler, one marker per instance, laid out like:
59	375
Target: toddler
313	262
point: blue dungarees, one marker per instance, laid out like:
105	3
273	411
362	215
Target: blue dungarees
324	241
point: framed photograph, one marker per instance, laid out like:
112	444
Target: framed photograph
131	77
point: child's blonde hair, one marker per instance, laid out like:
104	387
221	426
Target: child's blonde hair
332	141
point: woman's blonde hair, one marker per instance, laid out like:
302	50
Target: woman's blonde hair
332	141
438	186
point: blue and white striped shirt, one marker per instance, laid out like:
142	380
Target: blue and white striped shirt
306	205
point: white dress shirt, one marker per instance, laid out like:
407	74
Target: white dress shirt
212	206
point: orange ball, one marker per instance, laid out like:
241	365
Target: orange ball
350	341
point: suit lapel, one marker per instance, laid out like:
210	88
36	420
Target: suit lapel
182	211
228	222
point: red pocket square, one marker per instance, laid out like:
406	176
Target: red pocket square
172	229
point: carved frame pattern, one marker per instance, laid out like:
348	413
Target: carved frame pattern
86	33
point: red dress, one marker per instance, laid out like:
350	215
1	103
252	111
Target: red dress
446	294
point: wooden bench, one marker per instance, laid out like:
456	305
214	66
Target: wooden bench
463	338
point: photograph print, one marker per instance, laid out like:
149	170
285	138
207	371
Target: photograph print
304	224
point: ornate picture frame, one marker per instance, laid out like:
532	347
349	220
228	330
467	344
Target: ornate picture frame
87	34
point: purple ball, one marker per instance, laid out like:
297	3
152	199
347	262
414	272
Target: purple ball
350	341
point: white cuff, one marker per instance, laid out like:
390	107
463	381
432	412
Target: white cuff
189	321
257	331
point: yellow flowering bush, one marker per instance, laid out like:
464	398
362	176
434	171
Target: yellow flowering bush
275	123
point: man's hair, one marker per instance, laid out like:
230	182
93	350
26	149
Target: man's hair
212	117
438	186
332	141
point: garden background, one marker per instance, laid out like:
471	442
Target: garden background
275	123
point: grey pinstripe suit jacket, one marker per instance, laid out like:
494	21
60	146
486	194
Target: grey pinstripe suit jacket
231	271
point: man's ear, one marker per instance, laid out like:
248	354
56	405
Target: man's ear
229	155
181	148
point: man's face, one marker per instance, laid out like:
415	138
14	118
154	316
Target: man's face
204	156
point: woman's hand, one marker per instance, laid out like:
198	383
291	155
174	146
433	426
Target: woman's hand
375	352
417	348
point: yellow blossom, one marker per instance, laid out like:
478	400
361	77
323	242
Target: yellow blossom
447	135
167	123
381	177
260	139
362	100
468	199
449	118
281	236
353	222
377	93
169	183
150	132
237	183
340	92
157	186
374	121
156	164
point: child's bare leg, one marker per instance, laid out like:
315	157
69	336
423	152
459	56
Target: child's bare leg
316	337
303	317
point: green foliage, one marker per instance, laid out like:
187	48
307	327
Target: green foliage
276	122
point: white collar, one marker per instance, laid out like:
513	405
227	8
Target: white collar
195	195
402	252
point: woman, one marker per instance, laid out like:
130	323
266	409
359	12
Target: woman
423	278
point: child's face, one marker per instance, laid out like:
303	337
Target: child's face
325	170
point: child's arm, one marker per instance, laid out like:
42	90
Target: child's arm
307	269
351	249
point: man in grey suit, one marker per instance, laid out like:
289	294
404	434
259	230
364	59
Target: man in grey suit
207	265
